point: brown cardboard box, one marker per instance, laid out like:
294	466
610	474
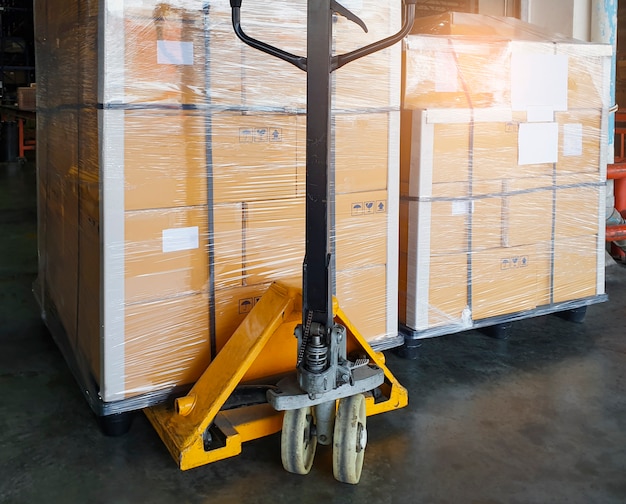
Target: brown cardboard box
487	224
511	213
432	153
455	73
362	294
527	211
164	159
588	75
163	55
504	281
578	211
88	322
581	140
576	268
361	154
166	343
372	82
361	229
437	295
446	222
228	246
274	240
255	157
165	253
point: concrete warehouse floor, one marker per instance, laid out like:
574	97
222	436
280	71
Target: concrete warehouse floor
538	418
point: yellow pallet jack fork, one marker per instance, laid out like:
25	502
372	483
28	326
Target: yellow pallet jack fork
339	380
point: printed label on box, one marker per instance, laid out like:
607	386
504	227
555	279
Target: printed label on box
369	207
260	135
573	139
357	208
173	52
461	207
538	143
276	135
246	304
514	262
178	239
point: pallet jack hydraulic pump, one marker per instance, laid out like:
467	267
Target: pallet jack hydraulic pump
339	380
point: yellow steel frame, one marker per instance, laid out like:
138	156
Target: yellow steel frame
262	346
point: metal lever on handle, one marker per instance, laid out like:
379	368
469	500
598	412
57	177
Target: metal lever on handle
337	61
298	61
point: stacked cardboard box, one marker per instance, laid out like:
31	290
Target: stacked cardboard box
172	189
503	174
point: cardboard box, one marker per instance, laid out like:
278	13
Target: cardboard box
588	74
581	141
437	288
438	227
274	240
361	229
159	53
255	157
511	213
372	82
362	294
579	211
455	73
362	144
165	162
527	211
506	65
165	253
432	152
578	268
504	281
166	343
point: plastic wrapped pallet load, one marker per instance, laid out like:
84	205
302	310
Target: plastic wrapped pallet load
171	164
503	173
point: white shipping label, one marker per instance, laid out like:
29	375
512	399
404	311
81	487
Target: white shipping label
538	143
177	239
539	80
461	207
174	52
573	139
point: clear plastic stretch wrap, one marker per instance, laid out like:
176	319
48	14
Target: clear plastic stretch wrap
503	173
171	166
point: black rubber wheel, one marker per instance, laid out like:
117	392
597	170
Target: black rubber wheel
498	331
576	315
117	424
408	351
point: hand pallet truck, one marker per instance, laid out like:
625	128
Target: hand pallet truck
339	380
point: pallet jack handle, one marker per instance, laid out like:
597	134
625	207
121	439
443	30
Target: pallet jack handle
336	61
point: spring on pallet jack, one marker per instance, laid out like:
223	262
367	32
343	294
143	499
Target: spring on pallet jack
316	354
